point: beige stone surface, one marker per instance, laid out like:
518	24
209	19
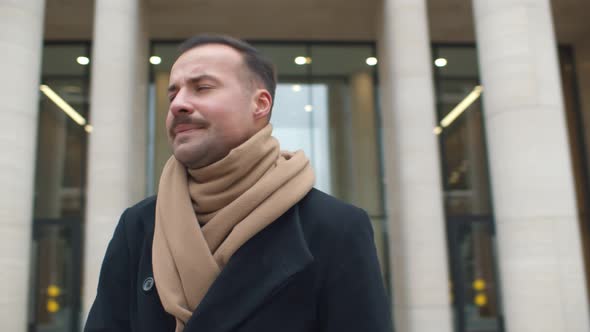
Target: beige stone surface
412	177
21	23
116	160
539	248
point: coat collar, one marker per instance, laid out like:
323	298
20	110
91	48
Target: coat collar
258	270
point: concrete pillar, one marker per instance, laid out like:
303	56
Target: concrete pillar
21	23
540	257
116	160
412	167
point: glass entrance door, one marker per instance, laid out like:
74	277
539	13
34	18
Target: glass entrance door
474	285
60	186
56	275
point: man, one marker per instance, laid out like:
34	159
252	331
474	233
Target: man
237	239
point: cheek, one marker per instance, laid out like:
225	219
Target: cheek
168	119
168	124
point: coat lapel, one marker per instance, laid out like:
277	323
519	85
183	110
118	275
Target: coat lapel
259	269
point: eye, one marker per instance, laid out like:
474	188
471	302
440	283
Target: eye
203	87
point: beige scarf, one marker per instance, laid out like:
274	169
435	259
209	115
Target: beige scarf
204	215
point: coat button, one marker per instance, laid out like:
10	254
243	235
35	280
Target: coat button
148	284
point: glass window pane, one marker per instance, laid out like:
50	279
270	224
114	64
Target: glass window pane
465	172
460	62
62	139
461	134
59	188
475	286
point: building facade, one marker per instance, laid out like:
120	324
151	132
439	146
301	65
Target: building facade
458	125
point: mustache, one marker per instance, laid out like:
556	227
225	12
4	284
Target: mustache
179	120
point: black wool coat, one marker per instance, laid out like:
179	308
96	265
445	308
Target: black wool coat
314	269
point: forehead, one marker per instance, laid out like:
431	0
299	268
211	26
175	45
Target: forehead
210	58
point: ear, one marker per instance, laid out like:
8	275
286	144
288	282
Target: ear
263	104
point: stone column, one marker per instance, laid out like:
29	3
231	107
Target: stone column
540	257
412	167
21	23
116	160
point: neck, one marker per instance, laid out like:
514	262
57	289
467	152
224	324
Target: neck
215	186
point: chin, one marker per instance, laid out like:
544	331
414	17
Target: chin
186	155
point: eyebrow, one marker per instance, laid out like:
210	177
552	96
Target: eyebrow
193	80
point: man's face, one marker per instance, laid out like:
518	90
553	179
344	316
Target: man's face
212	105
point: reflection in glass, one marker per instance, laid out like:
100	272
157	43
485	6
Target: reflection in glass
57	248
463	149
59	189
462	139
466	185
301	123
473	269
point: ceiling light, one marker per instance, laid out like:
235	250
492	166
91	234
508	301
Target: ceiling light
371	61
459	109
83	60
308	108
155	60
296	87
71	112
300	60
440	62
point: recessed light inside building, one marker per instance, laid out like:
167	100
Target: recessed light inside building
155	60
83	60
308	108
440	62
296	87
300	60
371	61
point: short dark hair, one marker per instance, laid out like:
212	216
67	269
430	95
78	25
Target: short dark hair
257	64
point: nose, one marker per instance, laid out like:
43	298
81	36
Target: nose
180	104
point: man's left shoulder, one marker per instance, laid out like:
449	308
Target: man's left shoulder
321	212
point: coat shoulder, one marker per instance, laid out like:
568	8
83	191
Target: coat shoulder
330	211
327	219
147	205
139	218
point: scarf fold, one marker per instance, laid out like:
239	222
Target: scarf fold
203	216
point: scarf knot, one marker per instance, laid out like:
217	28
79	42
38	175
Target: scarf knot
203	216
